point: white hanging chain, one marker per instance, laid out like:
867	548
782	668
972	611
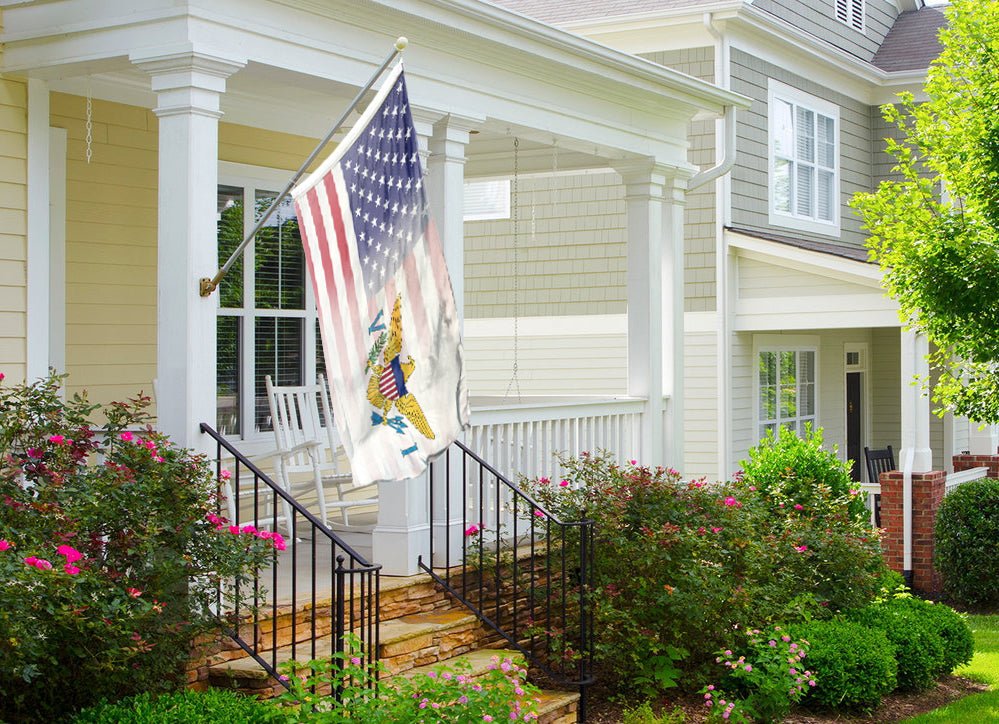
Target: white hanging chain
90	123
514	380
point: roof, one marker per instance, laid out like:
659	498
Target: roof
560	11
912	42
846	251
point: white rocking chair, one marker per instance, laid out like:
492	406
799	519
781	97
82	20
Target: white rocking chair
307	447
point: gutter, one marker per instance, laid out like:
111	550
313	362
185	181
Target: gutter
728	159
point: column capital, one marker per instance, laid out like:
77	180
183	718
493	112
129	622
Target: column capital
186	80
649	178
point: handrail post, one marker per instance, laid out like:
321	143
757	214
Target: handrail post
338	647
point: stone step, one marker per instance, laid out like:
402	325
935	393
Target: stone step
558	707
480	661
405	643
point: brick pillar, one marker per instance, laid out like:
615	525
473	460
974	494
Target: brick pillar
927	493
966	462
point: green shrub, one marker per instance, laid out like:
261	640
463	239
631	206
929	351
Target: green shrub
967	543
643	714
919	648
680	565
214	706
854	665
109	556
953	630
788	470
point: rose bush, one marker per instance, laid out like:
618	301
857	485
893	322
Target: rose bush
112	553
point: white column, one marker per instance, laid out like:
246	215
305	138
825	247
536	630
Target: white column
188	86
915	454
654	195
446	187
38	274
402	533
982	439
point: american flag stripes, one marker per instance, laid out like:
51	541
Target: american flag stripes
389	325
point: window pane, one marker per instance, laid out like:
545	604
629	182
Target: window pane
279	258
768	368
230	233
805	132
783	125
227	376
827	142
768	403
806	366
805	190
826	195
806	400
278	346
320	356
788	401
783	172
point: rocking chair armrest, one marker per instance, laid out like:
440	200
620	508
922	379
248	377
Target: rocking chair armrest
307	446
351	503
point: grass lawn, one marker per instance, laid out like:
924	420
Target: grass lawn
984	668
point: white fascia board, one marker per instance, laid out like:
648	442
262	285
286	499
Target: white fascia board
805	260
825	319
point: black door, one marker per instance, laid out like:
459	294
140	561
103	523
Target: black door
853	446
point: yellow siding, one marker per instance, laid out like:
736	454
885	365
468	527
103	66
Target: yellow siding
110	247
700	414
14	223
111	216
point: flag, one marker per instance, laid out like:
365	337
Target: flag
390	330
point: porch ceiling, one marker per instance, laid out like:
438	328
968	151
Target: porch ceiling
304	60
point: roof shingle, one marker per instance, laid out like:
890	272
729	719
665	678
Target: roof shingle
912	42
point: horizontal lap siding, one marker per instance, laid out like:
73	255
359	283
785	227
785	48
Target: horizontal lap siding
818	18
759	280
554	364
886	389
884	163
750	190
14	224
111	212
700	415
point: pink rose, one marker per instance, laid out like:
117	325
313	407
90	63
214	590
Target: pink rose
126	436
563	483
133	592
71	554
4	545
472	529
71	569
56	439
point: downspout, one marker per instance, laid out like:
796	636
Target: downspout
725	138
907	465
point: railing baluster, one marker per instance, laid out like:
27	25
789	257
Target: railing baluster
367	614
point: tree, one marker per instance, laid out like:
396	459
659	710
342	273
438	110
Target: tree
935	228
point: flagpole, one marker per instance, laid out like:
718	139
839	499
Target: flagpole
206	285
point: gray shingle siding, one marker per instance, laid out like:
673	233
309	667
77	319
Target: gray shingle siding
818	18
700	211
750	188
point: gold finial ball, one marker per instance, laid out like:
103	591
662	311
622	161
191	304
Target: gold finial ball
401	42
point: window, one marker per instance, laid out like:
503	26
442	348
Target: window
851	12
786	389
804	161
266	319
485	200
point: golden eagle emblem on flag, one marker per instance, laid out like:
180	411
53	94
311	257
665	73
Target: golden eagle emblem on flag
387	384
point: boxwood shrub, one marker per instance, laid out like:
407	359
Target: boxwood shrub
854	665
214	706
919	647
951	627
967	543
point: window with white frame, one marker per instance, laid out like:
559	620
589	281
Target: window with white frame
485	200
851	12
266	318
786	390
804	160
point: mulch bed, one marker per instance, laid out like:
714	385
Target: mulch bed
895	707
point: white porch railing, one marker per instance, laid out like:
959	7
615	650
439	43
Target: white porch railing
522	439
956	479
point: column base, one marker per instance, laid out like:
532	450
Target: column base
398	550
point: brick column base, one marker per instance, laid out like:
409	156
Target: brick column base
966	462
927	493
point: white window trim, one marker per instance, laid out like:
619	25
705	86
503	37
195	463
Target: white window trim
776	89
260	178
784	343
865	398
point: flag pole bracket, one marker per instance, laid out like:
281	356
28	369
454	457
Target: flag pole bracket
206	286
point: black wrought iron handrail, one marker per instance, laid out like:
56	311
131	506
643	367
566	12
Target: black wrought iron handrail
352	588
514	564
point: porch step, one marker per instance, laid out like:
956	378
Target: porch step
480	661
405	643
558	707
